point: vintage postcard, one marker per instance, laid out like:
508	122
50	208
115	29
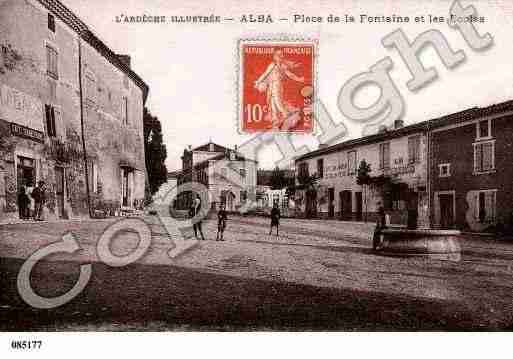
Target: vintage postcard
226	166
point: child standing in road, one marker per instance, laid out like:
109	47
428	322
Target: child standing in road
275	219
221	222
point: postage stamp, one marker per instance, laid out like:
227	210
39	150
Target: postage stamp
276	85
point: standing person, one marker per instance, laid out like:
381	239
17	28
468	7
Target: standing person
195	209
30	207
380	225
39	195
221	222
23	203
275	219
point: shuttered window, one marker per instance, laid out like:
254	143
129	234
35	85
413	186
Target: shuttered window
414	149
485	206
484	156
384	155
50	121
52	62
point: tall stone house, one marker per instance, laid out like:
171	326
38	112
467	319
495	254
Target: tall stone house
63	91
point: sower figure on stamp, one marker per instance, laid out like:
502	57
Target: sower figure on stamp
221	222
193	211
272	81
275	219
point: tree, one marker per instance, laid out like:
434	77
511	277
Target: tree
364	179
155	151
279	179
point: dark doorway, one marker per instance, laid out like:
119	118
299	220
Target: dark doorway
311	204
346	205
331	202
59	191
359	206
26	172
446	210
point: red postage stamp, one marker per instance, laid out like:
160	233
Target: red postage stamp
276	85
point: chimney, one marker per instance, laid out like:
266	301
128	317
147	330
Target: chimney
189	147
398	124
125	59
235	148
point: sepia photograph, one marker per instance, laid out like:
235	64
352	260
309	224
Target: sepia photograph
266	167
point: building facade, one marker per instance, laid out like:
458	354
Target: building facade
229	177
472	169
450	172
61	87
397	178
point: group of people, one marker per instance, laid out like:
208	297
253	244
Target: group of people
222	218
31	201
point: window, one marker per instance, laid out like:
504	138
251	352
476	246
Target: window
26	172
92	174
243	196
242	172
52	90
125	82
484	156
414	149
303	170
384	155
444	170
124	110
485	203
351	162
52	60
320	168
484	129
51	23
50	121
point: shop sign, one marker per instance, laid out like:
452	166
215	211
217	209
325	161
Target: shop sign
336	171
25	132
400	170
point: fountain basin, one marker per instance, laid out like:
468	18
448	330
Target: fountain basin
432	243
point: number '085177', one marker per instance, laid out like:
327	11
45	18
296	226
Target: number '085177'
26	344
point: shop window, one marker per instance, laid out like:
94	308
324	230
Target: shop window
51	22
52	59
485	206
414	149
484	157
484	129
351	162
50	121
444	170
384	155
320	168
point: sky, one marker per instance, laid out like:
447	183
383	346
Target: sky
191	69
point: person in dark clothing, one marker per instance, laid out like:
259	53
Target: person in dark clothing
23	203
194	210
380	225
275	219
39	195
222	217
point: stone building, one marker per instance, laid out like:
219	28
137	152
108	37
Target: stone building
230	178
472	169
61	87
398	177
